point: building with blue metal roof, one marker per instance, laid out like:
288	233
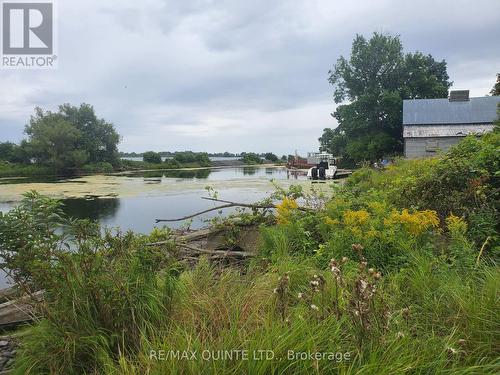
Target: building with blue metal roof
434	125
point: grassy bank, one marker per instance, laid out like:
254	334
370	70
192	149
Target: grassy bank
397	273
23	170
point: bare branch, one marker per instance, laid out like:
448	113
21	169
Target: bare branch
253	205
196	214
227	205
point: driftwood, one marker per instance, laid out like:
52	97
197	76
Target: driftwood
228	204
20	310
224	253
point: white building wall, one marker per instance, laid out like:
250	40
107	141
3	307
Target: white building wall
428	146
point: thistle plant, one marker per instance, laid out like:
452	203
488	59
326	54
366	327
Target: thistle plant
281	292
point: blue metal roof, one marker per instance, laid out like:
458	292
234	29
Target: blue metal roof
442	111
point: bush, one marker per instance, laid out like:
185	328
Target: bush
192	158
251	158
151	157
463	182
100	297
101	167
271	157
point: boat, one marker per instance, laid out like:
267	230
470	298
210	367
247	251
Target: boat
324	166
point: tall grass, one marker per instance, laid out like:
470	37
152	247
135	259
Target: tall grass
369	286
451	327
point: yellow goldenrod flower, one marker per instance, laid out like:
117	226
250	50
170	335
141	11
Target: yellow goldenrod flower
355	218
285	210
456	225
415	223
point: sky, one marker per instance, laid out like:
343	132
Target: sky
234	75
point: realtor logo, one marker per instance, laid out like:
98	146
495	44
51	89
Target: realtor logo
27	34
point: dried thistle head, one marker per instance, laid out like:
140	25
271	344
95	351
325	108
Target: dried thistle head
406	313
357	247
362	265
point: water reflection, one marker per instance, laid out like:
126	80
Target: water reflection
249	171
159	174
95	209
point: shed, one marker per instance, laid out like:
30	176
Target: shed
433	125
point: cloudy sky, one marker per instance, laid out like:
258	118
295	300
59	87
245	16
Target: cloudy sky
234	75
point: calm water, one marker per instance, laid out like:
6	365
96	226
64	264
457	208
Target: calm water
169	195
160	194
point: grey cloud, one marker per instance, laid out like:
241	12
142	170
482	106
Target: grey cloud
236	75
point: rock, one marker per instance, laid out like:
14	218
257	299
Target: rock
3	343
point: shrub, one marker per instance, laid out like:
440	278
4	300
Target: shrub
189	157
251	158
101	167
271	157
100	297
151	157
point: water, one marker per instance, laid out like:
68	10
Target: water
143	197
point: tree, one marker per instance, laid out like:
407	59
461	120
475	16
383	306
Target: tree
53	141
7	150
151	157
200	158
251	158
375	80
271	157
98	137
15	153
496	89
71	137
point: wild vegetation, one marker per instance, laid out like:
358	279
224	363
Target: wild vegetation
397	273
70	140
251	158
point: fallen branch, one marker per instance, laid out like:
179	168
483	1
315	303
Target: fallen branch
228	205
196	214
253	205
242	254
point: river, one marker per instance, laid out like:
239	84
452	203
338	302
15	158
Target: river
134	200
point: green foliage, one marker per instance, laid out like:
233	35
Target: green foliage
463	182
151	157
102	292
71	137
13	153
101	167
190	157
18	170
375	79
29	239
374	272
496	89
271	157
251	158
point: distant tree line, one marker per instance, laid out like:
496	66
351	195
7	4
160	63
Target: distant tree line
170	154
178	159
